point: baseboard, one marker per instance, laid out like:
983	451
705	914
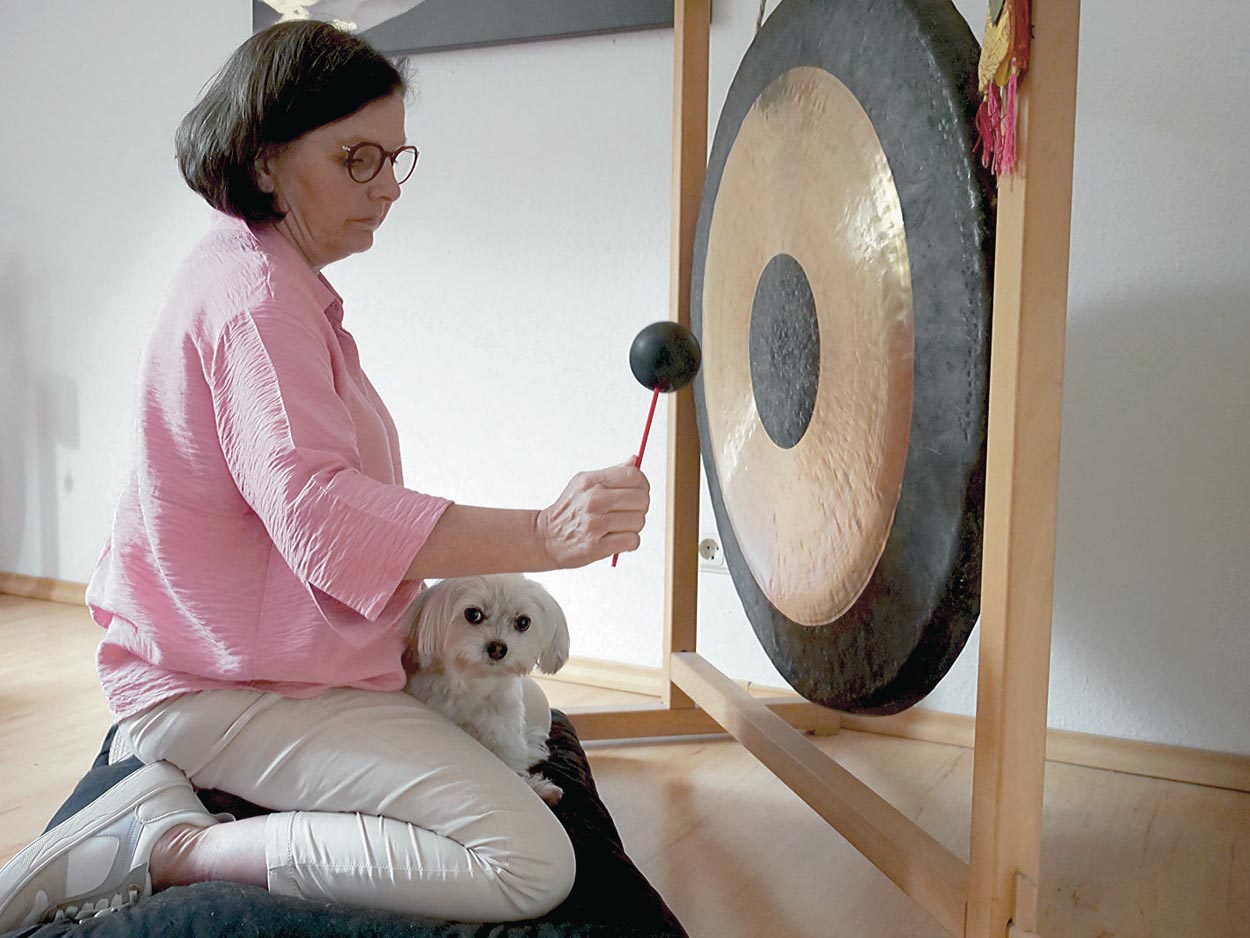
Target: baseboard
1131	756
36	587
610	675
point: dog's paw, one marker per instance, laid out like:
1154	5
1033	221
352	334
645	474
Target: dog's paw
536	750
546	789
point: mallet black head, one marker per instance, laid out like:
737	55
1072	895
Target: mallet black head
665	355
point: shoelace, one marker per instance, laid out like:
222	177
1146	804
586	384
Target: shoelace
89	909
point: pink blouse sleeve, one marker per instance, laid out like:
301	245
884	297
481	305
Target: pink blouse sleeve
290	444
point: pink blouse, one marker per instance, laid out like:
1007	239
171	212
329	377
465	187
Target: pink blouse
264	530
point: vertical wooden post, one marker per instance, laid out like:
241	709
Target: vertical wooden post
690	41
1026	384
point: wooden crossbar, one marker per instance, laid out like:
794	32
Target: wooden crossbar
923	868
651	720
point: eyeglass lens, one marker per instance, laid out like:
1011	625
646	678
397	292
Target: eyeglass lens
365	162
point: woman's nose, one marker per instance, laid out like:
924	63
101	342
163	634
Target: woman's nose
384	185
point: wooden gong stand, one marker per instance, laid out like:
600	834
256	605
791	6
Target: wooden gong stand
995	894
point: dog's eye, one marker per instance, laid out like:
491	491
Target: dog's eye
474	615
522	623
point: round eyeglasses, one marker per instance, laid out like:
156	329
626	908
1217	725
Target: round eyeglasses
365	161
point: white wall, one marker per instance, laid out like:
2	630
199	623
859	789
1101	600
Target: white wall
496	311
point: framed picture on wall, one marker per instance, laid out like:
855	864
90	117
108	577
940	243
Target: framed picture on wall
407	26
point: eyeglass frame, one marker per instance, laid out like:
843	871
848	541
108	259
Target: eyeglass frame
391	155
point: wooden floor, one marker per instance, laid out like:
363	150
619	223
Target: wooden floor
733	851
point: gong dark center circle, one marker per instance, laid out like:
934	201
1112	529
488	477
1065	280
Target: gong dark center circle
784	348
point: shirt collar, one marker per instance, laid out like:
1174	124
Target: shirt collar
283	253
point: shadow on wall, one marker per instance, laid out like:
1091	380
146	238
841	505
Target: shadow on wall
1152	567
56	429
15	412
38	421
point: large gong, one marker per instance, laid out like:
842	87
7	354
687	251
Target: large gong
841	294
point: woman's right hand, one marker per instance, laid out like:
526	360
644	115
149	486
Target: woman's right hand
599	513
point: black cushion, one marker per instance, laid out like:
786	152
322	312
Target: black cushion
610	896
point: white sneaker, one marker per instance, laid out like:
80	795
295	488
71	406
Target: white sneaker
97	860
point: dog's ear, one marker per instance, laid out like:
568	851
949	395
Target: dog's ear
427	618
556	654
412	619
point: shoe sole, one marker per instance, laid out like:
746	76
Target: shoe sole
23	869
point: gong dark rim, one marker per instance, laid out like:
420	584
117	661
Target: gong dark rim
911	64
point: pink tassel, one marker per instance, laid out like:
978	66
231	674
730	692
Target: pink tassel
1009	124
996	127
985	130
999	142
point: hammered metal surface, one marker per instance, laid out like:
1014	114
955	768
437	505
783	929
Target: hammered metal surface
807	177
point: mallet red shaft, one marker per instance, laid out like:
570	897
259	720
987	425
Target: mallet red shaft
642	447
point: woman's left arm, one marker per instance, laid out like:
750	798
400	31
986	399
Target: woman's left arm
290	444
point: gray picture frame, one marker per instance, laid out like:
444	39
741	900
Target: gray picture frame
439	25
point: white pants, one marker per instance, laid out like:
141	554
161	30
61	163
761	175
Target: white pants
384	802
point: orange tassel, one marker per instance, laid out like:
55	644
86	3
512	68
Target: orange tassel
1021	35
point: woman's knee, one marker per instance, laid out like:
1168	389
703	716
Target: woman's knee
522	859
538	871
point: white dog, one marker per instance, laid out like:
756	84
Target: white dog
472	643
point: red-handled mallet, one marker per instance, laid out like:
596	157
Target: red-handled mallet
665	356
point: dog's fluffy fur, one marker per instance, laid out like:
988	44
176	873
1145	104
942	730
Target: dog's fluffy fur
471	642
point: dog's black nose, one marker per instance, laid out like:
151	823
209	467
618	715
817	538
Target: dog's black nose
496	650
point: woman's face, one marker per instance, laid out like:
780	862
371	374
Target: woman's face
328	214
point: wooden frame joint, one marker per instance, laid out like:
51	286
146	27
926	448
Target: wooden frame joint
1023	922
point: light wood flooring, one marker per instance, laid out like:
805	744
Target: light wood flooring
733	851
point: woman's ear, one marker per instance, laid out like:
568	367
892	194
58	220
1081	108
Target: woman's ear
262	168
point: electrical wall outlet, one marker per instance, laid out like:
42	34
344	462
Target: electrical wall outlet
711	554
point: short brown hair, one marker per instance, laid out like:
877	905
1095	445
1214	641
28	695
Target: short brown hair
281	83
